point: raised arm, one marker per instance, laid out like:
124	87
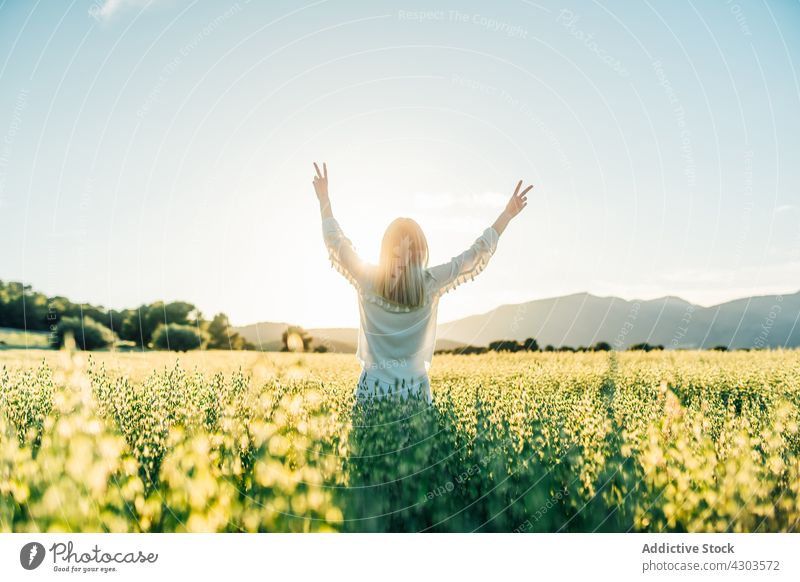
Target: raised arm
340	250
468	264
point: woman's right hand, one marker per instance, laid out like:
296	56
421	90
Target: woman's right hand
321	182
518	200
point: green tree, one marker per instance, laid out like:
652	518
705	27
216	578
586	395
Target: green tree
295	339
139	325
222	337
530	345
178	338
505	346
21	307
88	333
467	350
644	347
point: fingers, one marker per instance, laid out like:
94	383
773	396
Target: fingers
521	195
518	207
321	175
519	199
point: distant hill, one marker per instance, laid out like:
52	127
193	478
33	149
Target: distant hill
266	336
584	319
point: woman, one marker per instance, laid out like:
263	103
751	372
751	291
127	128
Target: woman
398	298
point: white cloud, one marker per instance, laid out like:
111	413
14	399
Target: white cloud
107	9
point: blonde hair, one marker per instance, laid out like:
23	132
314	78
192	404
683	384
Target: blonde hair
404	257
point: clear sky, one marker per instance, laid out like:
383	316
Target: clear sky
163	150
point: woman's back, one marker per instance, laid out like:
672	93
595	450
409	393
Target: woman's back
396	342
399	298
395	345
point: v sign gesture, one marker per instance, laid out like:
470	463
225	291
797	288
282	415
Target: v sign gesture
519	199
321	181
321	188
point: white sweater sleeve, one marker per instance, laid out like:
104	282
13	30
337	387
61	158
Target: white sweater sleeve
465	266
342	254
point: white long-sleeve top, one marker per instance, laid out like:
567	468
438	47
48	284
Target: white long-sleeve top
395	343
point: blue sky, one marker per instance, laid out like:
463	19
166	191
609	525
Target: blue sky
162	150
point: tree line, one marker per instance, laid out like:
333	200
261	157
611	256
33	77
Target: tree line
531	345
176	325
180	326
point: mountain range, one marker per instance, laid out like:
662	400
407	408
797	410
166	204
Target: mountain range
582	319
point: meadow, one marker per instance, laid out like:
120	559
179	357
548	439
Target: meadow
18	338
515	442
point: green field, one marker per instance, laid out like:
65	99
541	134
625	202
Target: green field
244	441
19	338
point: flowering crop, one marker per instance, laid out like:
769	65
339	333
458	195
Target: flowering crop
660	441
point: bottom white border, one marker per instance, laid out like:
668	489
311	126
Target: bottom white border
424	557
